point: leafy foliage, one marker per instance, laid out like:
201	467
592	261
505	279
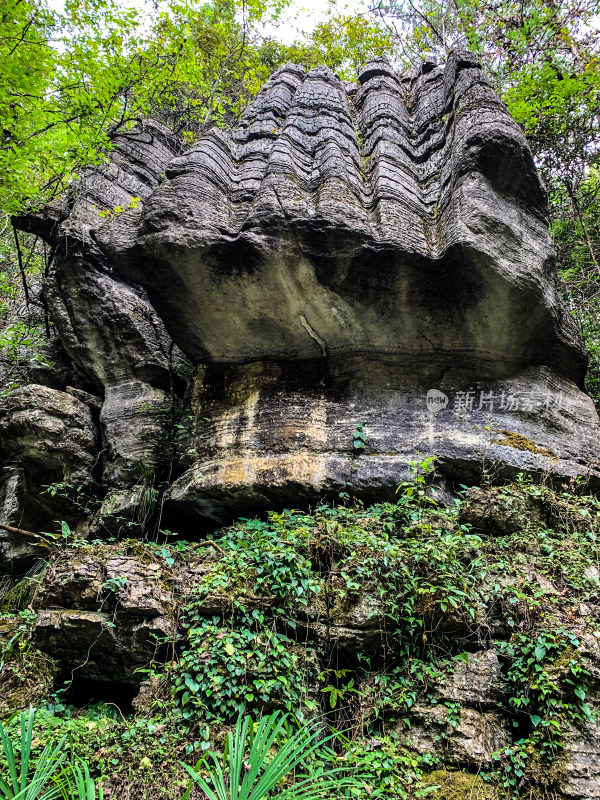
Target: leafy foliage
44	782
389	769
244	663
71	80
427	584
248	659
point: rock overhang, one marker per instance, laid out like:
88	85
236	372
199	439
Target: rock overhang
344	256
329	223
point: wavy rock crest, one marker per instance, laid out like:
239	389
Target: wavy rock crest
400	219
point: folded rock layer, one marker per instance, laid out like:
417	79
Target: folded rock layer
400	220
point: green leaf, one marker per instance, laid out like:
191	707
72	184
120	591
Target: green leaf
588	712
540	652
254	773
579	692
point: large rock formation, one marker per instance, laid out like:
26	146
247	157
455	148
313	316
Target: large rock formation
358	274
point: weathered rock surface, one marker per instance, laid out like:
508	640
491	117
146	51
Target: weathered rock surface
289	245
476	681
108	329
104	617
337	256
582	763
468	741
374	255
46	437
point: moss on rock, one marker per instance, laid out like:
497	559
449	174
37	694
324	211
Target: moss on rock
459	785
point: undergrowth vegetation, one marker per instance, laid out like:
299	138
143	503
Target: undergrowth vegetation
360	618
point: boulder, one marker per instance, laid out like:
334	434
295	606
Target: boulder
359	275
378	257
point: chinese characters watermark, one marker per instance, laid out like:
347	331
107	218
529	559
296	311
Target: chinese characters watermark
488	401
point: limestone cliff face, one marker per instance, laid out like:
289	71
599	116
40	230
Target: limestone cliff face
372	255
354	278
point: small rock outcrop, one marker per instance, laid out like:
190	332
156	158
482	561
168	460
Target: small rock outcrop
299	306
53	440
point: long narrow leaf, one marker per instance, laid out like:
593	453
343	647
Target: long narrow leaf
26	739
290	755
81	785
236	757
201	783
10	758
265	737
24	783
266	771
